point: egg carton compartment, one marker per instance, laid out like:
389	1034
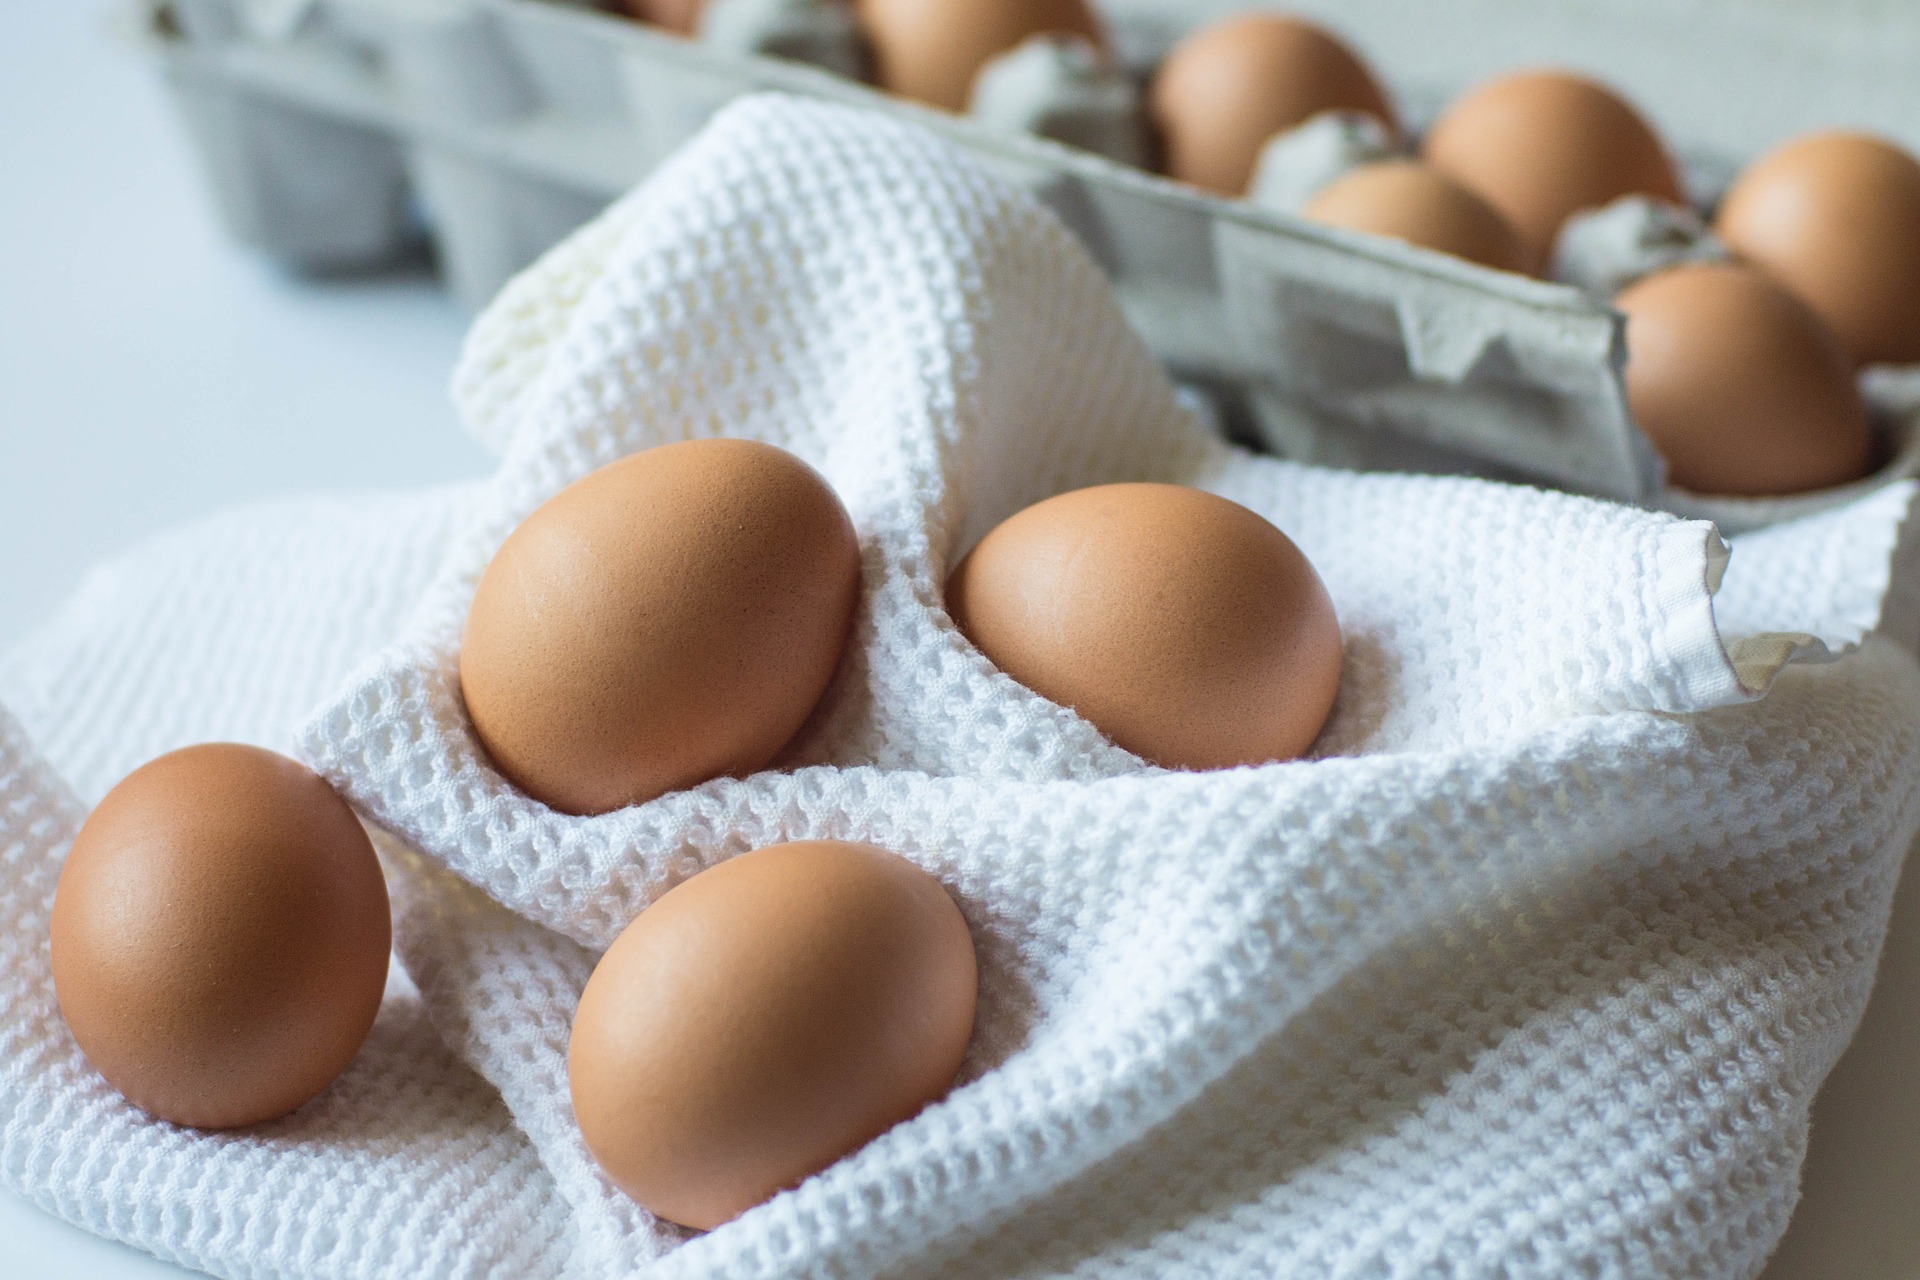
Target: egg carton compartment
334	130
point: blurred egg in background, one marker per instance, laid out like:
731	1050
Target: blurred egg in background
933	50
1414	202
1835	216
1229	87
1741	387
1540	146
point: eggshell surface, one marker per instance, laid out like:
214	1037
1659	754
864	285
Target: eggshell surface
682	17
1182	625
1541	146
1418	204
1740	386
669	619
933	50
220	936
1232	85
1836	218
765	1018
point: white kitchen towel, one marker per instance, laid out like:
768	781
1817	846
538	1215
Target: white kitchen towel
1531	972
943	350
228	629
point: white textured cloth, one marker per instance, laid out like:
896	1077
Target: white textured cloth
1532	971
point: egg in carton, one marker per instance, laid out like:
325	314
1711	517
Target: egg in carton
1605	252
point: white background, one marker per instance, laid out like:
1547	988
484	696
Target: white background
150	373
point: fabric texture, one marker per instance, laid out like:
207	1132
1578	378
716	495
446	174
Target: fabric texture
1532	970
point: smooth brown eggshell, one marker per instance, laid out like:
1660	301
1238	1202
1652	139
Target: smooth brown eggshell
1740	386
933	50
1541	146
1182	625
764	1019
682	17
1414	202
1228	88
220	936
1836	218
672	618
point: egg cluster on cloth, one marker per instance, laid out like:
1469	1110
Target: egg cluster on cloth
1532	971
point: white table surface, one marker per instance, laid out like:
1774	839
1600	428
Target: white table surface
149	372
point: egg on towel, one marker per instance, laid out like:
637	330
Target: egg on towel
220	936
1180	624
671	618
765	1018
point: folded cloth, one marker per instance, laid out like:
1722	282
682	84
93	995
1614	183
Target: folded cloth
1532	971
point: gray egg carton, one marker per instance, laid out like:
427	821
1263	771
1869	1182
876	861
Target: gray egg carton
333	130
337	132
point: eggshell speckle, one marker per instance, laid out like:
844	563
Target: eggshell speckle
1183	626
1740	386
1413	202
1836	218
1541	146
672	618
764	1019
220	936
1232	85
933	50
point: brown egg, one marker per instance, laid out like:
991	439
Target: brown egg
766	1018
1230	86
1740	386
679	16
1542	146
1836	218
1183	626
220	936
933	50
1414	202
670	619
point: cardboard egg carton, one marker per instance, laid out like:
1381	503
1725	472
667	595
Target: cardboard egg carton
337	132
